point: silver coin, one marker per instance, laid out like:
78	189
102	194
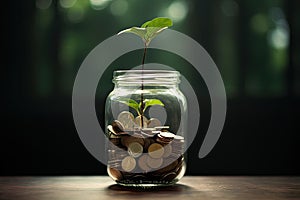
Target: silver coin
153	122
128	163
127	120
154	163
135	149
162	128
167	135
142	162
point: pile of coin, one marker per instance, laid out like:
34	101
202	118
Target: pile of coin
138	155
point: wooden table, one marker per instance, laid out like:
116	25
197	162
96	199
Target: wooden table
102	187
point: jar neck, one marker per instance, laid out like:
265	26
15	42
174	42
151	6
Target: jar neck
146	78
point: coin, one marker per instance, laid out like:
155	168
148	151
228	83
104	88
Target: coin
142	162
117	127
128	163
162	128
167	151
114	173
113	135
168	135
170	176
153	122
165	137
180	166
154	163
127	139
178	138
115	166
138	121
155	150
127	120
111	130
148	132
135	149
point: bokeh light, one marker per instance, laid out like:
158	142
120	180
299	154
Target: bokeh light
99	4
177	10
279	38
67	3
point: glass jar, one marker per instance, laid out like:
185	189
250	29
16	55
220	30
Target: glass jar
146	141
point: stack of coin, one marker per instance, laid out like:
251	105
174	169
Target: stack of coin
164	137
149	154
162	128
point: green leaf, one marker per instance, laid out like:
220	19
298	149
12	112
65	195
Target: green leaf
151	33
150	29
131	103
160	22
135	30
151	102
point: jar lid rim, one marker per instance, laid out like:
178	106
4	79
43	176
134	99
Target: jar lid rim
146	76
147	71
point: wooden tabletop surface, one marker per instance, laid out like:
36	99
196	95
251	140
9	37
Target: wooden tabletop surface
102	187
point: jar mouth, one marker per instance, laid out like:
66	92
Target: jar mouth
156	77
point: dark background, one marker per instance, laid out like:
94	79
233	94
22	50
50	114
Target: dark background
254	44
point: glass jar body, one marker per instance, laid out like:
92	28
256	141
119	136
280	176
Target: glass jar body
146	141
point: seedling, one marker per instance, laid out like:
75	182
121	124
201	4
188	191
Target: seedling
138	106
148	31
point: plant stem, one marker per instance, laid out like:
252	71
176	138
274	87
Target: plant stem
142	95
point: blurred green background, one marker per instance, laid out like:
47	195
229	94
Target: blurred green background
253	43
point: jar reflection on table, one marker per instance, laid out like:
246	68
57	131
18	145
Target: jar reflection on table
146	140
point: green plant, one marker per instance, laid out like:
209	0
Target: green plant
148	31
138	106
